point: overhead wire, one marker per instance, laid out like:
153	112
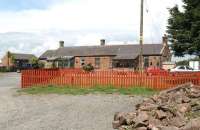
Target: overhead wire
147	11
154	27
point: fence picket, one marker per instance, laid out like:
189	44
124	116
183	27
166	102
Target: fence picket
125	79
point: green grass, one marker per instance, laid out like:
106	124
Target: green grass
82	91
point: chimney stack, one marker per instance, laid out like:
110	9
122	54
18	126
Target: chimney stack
165	40
103	42
61	44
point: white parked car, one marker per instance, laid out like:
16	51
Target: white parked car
184	69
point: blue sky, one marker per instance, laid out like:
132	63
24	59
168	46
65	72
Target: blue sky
33	26
19	5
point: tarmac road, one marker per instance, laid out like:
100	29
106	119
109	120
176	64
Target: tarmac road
10	80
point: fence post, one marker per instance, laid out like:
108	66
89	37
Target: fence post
22	79
116	78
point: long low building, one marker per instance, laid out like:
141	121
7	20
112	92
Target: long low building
107	56
17	60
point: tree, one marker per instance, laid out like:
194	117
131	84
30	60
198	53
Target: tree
13	59
184	28
184	62
9	55
36	63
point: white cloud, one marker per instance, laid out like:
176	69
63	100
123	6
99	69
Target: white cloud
114	14
83	23
89	39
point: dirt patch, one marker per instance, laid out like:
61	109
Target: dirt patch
60	112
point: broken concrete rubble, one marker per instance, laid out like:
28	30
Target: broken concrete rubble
173	109
194	124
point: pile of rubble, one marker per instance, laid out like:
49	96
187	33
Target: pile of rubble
173	109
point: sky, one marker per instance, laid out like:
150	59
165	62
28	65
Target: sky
32	26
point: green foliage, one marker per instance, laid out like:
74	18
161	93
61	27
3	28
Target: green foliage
9	55
41	64
4	69
7	69
196	59
34	60
184	62
13	59
54	64
88	67
36	63
184	28
82	91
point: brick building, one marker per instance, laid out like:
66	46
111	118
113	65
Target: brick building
17	60
107	56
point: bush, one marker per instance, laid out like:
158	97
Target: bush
36	64
6	69
88	67
3	69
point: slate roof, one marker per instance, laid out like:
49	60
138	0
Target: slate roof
20	56
119	51
48	53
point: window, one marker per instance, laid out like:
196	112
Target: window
123	64
111	62
158	63
146	62
181	67
97	62
188	68
72	62
82	61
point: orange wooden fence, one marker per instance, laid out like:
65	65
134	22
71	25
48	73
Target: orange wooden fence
120	79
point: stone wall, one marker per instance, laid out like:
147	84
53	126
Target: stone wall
155	61
166	55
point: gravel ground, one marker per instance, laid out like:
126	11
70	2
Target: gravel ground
9	80
60	112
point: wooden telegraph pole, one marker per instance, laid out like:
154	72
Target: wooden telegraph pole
141	64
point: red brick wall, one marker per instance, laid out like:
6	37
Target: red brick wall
5	59
105	62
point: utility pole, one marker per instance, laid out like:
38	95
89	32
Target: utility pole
141	64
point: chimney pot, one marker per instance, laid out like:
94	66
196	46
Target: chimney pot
103	42
61	43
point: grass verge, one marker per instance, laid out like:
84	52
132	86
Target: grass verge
82	91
